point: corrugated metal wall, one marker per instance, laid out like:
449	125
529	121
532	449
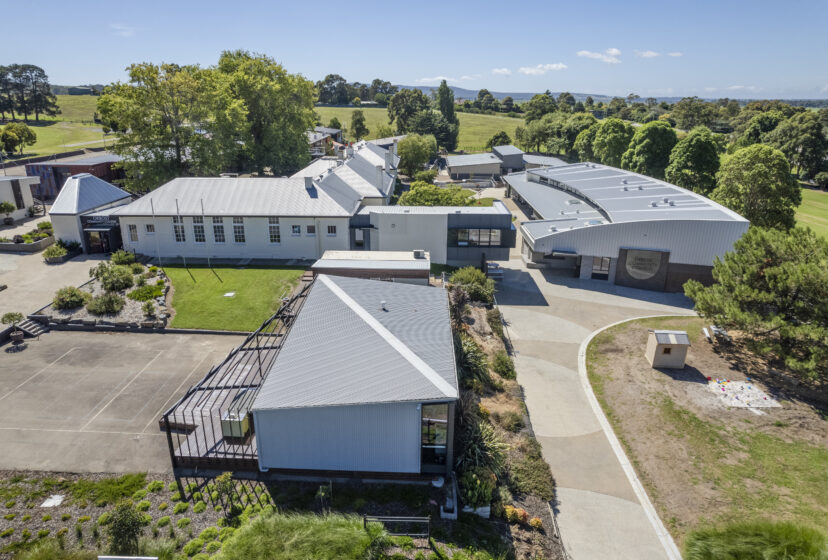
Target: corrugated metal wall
372	437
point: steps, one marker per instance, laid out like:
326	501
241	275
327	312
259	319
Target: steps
33	329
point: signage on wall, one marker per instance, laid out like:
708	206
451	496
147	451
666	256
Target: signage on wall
643	265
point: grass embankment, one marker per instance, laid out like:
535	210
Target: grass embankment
813	212
752	471
475	130
199	300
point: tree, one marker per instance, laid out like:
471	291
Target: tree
694	162
404	105
414	151
16	136
499	139
649	150
572	128
430	122
333	90
611	141
534	135
583	143
566	101
358	129
803	142
445	102
821	179
541	104
384	131
691	112
508	104
124	528
334	123
773	288
426	194
758	127
356	102
756	182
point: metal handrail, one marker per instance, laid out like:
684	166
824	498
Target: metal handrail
366	519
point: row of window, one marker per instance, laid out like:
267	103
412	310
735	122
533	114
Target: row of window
273	230
474	237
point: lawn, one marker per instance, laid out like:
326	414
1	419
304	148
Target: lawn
59	136
475	130
199	302
813	211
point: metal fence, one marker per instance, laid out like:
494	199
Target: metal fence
402	526
210	426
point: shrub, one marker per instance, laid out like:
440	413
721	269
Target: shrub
26	517
530	474
104	304
9	516
183	522
54	251
146	519
104	518
122	257
213	547
65	517
173	487
471	361
427	176
113	278
757	539
10	504
25	534
495	321
193	547
199	507
163	521
511	421
225	533
136	268
475	283
481	447
7	532
155	486
124	528
516	515
18	239
152	271
43	533
46	517
209	534
476	487
143	505
181	507
84	519
44	226
176	497
162	506
503	366
139	494
536	523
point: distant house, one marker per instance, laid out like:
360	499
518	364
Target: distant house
334	133
473	166
319	143
18	191
386	143
365	383
408	267
54	173
511	158
83	212
80	90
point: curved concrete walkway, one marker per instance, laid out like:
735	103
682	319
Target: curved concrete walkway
600	511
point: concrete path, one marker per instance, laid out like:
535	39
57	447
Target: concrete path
600	511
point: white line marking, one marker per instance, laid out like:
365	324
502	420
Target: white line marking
392	340
65	431
173	395
661	532
118	394
38	373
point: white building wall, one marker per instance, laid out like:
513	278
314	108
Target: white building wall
405	232
7	194
257	243
67	227
479	169
689	241
373	438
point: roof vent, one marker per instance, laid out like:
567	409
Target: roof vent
654	203
640	188
625	189
419	253
666	200
672	203
309	183
383	306
553	228
624	181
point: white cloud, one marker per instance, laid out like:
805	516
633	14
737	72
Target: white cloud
501	72
742	88
435	79
647	54
710	89
674	53
824	89
467	78
121	30
610	56
541	69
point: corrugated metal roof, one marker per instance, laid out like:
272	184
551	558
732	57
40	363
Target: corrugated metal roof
92	160
374	255
83	192
471	159
344	349
507	150
317	167
672	337
371	264
327	130
314	137
236	196
542	160
387	141
496	208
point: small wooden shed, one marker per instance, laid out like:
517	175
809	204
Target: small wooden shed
667	349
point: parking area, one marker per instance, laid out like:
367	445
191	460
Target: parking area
90	402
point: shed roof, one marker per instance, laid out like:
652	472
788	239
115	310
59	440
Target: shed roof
345	349
542	160
472	159
84	192
373	260
507	150
497	207
672	337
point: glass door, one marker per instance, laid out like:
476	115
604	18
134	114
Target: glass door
434	443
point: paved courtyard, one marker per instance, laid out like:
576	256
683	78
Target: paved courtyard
90	402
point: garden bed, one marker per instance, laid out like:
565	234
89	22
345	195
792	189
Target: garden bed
31	242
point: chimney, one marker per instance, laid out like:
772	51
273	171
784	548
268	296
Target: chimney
349	151
394	147
389	160
309	183
380	177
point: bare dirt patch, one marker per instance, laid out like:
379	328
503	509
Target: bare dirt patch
701	461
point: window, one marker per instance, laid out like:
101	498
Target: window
238	229
331	230
218	229
296	230
494	239
133	233
474	237
198	229
178	229
149	228
273	230
311	230
434	439
666	350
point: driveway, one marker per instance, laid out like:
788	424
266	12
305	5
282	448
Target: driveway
32	283
549	317
90	402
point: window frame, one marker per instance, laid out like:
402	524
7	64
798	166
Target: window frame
198	228
238	230
310	230
295	230
149	229
132	230
274	227
332	231
218	226
178	229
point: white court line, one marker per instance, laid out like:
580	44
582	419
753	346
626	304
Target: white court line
65	431
118	394
172	396
39	372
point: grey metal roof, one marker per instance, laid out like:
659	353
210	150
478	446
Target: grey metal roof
589	194
373	153
344	349
236	196
83	192
378	264
497	207
542	160
92	160
327	130
672	337
314	137
471	159
317	167
507	150
387	141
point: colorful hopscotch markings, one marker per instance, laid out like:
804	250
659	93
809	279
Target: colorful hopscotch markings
741	394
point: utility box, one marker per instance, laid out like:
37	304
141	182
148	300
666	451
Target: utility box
235	424
667	349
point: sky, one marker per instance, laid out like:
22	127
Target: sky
670	48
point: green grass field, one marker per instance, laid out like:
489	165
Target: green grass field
199	300
813	212
475	130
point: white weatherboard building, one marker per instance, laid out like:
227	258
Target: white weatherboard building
606	223
377	397
18	191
